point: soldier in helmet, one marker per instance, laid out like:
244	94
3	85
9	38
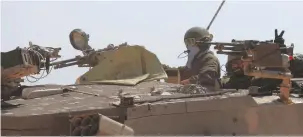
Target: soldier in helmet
202	65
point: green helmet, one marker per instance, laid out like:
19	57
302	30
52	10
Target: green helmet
196	34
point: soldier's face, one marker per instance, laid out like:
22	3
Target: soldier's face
237	65
192	52
191	46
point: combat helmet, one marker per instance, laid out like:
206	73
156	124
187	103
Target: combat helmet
197	34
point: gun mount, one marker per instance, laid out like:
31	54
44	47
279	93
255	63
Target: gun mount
23	62
27	61
264	59
113	64
79	40
89	59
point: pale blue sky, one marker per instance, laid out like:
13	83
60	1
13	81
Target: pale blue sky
159	26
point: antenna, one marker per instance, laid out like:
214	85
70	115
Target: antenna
211	22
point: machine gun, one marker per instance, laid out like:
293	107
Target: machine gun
23	62
265	59
259	57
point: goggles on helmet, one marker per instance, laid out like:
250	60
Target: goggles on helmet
193	41
190	42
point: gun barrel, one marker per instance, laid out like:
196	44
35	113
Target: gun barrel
232	48
226	48
222	43
65	65
235	53
63	61
69	62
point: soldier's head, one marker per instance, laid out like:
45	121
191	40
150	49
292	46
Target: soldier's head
194	48
197	34
234	67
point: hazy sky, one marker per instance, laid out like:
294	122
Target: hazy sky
159	26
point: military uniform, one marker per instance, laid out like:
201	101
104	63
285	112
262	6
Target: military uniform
203	67
205	71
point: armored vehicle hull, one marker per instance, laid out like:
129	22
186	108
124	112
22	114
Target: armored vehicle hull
121	95
231	113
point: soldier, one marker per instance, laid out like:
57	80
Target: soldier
235	78
202	65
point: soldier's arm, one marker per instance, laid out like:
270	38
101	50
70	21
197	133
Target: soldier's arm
208	73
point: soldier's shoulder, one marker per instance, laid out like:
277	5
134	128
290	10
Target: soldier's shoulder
208	54
211	55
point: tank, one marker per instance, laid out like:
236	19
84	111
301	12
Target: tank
128	92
